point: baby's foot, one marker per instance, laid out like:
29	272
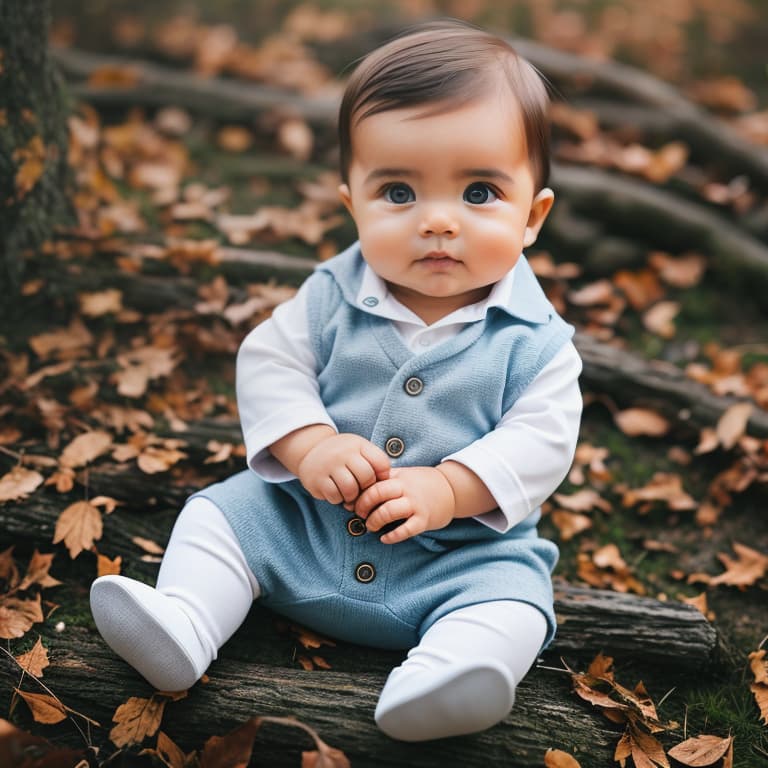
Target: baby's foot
422	704
149	631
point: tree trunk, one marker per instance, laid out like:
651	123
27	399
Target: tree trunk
33	132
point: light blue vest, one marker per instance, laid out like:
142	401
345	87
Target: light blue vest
432	403
310	560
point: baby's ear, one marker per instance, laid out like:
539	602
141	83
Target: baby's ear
540	208
346	197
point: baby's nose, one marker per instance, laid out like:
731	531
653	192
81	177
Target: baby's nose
438	221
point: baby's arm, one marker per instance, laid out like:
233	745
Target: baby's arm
500	478
334	467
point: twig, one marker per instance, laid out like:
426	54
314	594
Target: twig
67	709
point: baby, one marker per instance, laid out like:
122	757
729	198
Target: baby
405	414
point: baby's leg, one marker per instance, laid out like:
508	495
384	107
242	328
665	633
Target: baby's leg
170	634
461	677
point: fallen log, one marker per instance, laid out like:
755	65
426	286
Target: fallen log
228	99
339	704
589	620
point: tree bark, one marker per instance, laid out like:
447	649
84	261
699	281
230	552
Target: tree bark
337	703
33	133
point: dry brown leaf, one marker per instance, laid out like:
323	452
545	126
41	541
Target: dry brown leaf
233	750
556	758
65	342
583	501
659	319
324	757
701	751
85	448
666	487
17	616
8	570
641	288
149	546
137	719
234	138
100	303
641	421
107	567
169	751
45	708
708	441
19	483
733	424
35	660
599	292
680	272
759	666
647	752
760	693
78	526
570	524
296	138
748	567
155	459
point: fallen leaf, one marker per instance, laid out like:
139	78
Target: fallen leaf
35	660
570	524
296	138
666	487
137	719
155	459
85	448
149	546
759	666
748	567
44	708
582	501
169	751
19	483
233	750
556	758
78	526
701	751
107	567
659	318
101	303
17	616
641	421
733	424
325	757
760	693
680	272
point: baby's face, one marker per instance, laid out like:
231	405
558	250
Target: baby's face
445	203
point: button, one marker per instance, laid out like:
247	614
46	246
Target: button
414	386
356	526
394	447
365	573
370	301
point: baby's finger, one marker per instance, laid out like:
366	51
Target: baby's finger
389	512
377	494
377	459
361	468
329	491
346	483
411	527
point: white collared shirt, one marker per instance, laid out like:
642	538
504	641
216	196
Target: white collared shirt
521	461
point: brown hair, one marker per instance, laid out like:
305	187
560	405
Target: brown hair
440	62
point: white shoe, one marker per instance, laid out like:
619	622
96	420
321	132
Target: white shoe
149	631
449	701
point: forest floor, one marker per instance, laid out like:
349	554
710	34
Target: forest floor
100	367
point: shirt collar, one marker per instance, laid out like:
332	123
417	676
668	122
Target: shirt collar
508	294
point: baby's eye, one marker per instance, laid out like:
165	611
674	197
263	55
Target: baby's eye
399	194
479	193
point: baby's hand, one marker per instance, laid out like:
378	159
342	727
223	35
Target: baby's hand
340	467
422	496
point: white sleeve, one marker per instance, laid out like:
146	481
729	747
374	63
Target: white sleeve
277	389
524	459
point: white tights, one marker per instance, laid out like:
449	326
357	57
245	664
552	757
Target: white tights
460	678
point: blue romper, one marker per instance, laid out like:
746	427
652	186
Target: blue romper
314	561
